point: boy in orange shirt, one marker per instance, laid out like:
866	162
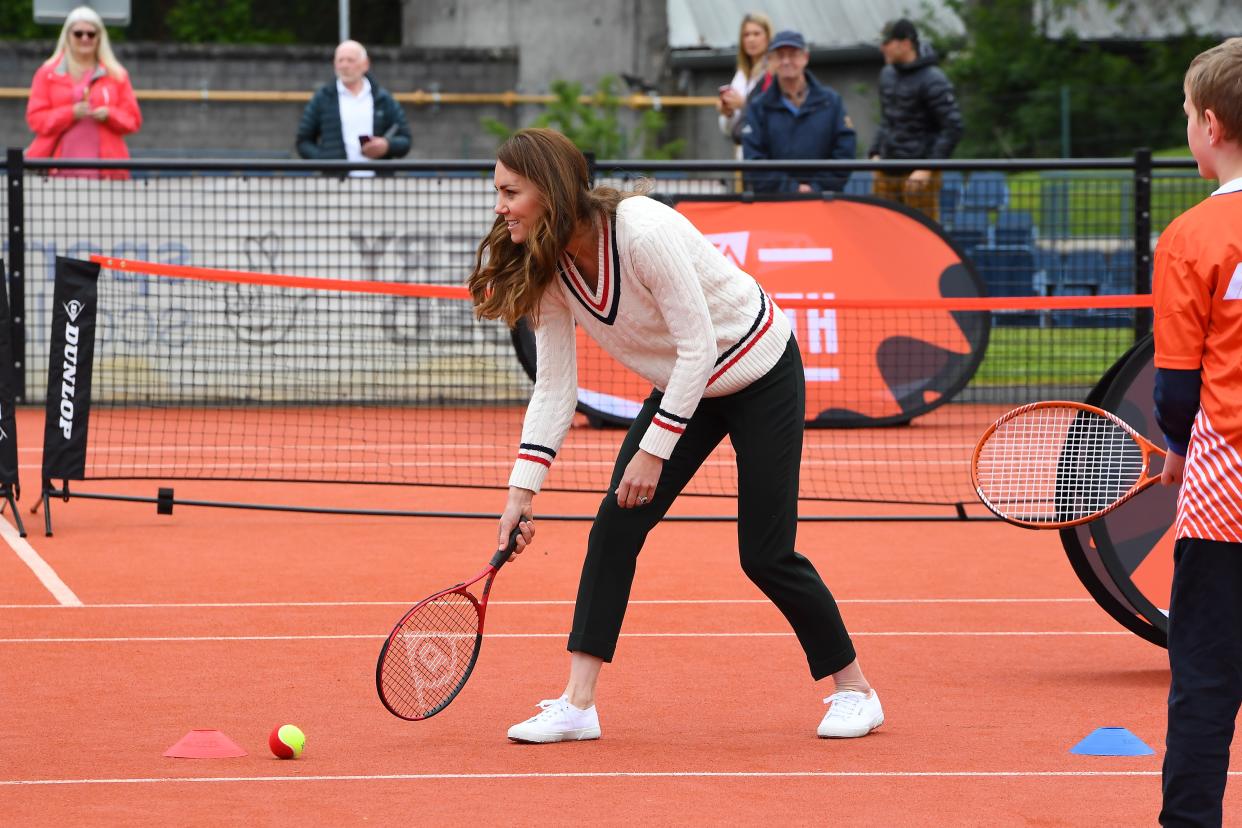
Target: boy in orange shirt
1198	396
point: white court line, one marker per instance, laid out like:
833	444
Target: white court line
145	639
46	575
432	777
550	602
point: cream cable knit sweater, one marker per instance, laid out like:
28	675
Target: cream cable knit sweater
668	306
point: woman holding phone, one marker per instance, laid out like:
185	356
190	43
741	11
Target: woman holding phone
81	102
752	71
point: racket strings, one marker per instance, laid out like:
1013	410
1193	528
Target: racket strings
430	655
1054	465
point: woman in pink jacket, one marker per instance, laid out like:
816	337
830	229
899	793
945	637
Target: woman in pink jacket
81	102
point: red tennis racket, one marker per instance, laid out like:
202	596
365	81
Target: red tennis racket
1049	465
429	655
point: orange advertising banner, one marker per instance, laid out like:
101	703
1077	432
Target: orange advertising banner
864	366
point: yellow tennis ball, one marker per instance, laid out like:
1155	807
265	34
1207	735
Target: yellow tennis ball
287	741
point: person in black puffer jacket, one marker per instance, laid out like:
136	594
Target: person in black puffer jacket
370	126
919	117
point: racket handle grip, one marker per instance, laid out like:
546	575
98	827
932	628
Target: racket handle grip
502	555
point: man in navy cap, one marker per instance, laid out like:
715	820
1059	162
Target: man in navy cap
919	117
796	118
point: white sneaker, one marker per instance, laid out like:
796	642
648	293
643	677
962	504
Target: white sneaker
559	721
851	714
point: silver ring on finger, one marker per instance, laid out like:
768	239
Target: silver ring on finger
642	500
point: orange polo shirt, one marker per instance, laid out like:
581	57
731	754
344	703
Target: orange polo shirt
1198	325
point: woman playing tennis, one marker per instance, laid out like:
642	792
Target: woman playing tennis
661	299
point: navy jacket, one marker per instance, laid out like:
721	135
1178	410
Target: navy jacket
319	132
821	129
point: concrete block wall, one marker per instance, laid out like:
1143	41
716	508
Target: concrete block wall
444	131
267	129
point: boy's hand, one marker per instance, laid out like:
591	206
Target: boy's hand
1171	474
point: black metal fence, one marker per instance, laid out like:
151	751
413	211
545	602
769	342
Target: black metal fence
1030	227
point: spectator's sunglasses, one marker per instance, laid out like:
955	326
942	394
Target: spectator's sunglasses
85	34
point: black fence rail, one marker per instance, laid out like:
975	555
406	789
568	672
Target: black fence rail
1030	227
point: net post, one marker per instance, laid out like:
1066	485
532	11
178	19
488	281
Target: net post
6	491
16	172
45	498
1142	237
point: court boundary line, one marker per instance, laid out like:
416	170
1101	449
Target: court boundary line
430	777
41	568
542	602
377	637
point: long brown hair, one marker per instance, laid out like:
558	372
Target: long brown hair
509	279
745	63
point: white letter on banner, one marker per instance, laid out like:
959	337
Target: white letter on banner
824	323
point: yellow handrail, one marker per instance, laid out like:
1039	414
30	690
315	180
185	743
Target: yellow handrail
417	98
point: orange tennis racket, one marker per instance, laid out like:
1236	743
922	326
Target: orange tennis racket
1049	465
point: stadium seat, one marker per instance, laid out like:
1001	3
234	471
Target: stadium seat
1120	277
970	229
1048	262
1054	208
1088	267
950	196
985	190
1007	270
1014	227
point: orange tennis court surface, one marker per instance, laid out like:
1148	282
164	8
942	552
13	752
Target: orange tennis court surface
990	658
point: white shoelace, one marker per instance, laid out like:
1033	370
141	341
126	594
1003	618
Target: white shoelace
550	708
845	704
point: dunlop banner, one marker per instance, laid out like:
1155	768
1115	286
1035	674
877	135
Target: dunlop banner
71	352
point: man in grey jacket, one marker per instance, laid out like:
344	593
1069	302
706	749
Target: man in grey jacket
919	117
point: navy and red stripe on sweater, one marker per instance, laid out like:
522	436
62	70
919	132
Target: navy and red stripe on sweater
667	305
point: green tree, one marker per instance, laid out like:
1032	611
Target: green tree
594	125
1012	80
17	22
219	21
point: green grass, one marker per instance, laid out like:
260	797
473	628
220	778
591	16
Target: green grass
1101	203
1051	356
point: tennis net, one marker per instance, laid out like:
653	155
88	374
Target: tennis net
225	375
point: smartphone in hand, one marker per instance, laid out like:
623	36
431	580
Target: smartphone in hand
363	139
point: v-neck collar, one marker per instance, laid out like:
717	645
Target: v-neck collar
603	300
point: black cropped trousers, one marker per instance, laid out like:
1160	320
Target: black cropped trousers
765	422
